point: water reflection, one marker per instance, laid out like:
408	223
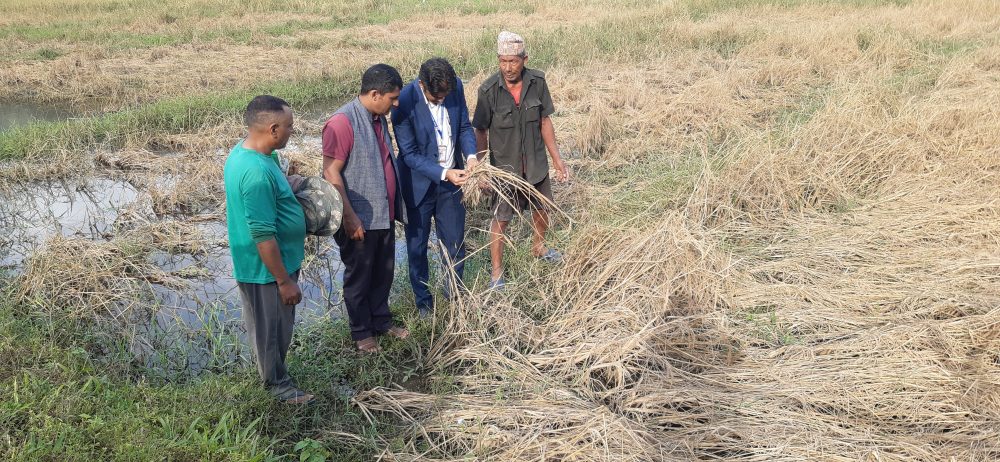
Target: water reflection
15	114
194	328
33	212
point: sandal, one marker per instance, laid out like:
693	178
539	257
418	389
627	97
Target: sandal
498	284
398	332
551	256
368	345
298	397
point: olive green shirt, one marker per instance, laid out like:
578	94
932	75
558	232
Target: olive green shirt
515	131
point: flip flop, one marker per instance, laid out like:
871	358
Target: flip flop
299	397
498	284
368	345
551	256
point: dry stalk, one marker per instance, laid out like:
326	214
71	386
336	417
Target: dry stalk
105	279
829	290
485	181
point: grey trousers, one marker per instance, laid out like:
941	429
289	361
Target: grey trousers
269	328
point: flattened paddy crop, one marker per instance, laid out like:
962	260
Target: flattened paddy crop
784	240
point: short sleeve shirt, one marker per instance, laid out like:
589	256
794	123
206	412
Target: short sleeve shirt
515	128
338	140
260	206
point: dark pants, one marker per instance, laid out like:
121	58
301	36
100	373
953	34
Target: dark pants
443	202
368	270
269	328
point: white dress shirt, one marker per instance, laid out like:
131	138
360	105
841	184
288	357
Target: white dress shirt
442	131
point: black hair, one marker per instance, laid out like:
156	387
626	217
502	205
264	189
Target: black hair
437	76
382	78
263	104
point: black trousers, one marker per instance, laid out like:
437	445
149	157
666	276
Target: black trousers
369	265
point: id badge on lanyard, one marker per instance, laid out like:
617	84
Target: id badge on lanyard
442	140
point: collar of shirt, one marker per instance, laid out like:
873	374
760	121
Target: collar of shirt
438	112
439	115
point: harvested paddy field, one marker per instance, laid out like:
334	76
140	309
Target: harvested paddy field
782	236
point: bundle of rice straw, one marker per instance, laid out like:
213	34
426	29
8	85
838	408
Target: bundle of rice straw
111	279
485	180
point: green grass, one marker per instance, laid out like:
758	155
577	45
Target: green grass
74	33
110	23
726	43
702	9
624	40
650	187
189	113
802	110
47	54
764	324
945	48
72	392
173	115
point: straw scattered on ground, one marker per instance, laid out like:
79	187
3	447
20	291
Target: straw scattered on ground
827	289
107	280
787	250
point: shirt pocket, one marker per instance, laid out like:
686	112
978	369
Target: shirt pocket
532	109
504	117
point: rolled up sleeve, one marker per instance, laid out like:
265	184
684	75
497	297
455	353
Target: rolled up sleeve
260	207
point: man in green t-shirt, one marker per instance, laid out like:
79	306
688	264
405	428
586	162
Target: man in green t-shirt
267	240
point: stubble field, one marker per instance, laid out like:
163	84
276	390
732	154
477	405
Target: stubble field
784	240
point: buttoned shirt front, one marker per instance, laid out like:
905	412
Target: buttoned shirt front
514	124
442	132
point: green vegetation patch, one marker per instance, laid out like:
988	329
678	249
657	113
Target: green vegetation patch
72	392
119	25
174	115
565	46
702	9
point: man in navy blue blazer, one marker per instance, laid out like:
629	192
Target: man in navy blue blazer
436	145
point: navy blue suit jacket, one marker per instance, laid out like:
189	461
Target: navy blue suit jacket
417	141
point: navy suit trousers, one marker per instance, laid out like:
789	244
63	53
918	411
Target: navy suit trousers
443	202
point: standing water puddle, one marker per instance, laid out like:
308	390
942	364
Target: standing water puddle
200	324
15	114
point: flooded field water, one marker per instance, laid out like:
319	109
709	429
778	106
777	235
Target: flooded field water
15	114
191	328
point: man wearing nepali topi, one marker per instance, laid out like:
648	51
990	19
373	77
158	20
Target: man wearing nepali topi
512	120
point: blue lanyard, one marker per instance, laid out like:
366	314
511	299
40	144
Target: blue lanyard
439	130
